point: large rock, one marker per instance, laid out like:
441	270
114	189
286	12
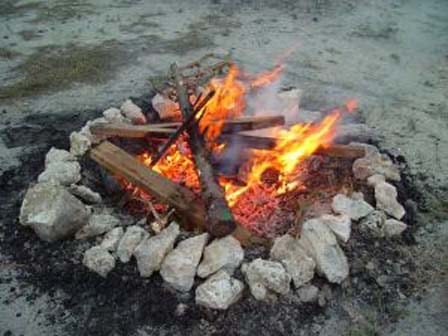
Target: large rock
112	239
393	227
386	200
266	279
179	267
132	237
355	209
98	224
114	115
99	260
165	107
62	172
340	225
151	251
297	263
320	243
58	155
308	293
52	211
375	163
225	253
86	194
219	291
133	112
79	143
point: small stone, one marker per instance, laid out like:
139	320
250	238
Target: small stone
374	222
165	107
393	227
375	163
98	224
132	237
52	211
225	253
297	263
63	172
99	260
58	155
179	267
152	250
112	238
181	309
114	115
308	293
340	225
133	112
375	179
355	209
266	279
86	194
386	200
79	144
219	291
320	243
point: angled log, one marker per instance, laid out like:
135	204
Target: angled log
219	218
120	163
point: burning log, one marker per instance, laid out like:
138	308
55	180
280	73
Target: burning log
118	162
220	221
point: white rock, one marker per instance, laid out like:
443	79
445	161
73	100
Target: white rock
225	253
355	209
79	144
374	222
58	155
165	107
86	130
320	243
375	163
357	195
393	227
133	112
386	200
112	238
308	293
132	237
151	251
114	115
98	224
297	263
63	172
52	211
375	179
179	267
99	260
266	279
86	194
340	225
219	291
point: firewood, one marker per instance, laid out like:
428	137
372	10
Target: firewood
220	221
130	131
120	163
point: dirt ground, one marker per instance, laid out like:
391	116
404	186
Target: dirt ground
65	61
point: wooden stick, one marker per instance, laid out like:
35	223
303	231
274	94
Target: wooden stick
220	221
120	163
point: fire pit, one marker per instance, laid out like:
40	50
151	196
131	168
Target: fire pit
229	165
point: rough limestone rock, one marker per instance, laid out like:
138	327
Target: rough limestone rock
321	244
151	251
62	172
393	227
375	163
131	238
113	115
219	291
99	260
133	112
297	263
98	224
374	222
112	238
58	155
79	144
375	179
52	211
225	253
179	267
266	279
308	293
340	225
86	194
355	209
386	200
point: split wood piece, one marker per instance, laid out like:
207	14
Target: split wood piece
120	163
219	218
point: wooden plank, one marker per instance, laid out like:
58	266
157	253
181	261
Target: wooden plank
120	163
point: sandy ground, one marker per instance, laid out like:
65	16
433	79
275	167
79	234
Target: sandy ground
391	55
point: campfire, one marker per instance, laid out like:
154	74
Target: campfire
225	154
